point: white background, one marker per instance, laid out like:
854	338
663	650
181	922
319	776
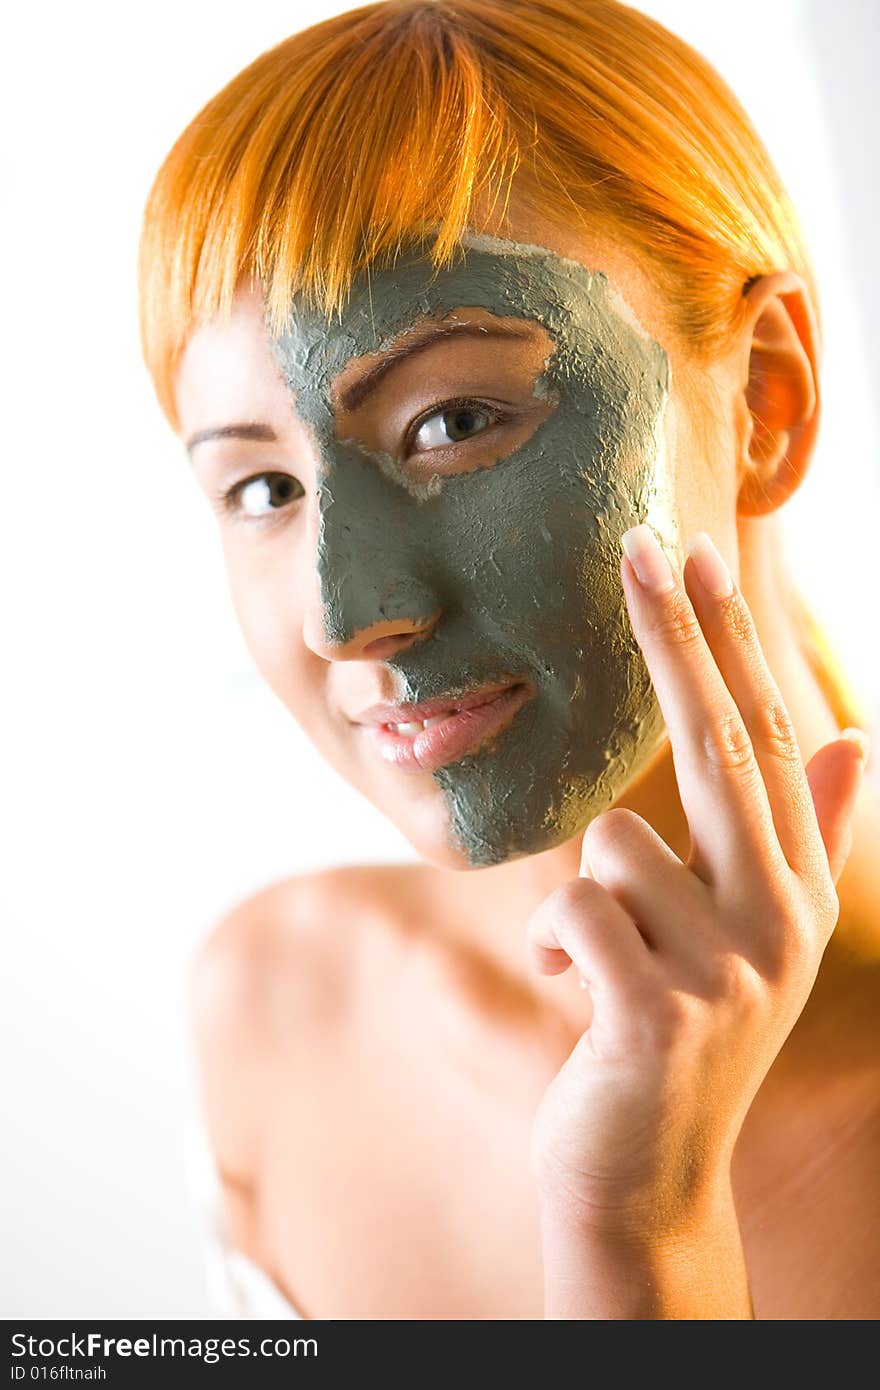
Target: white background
148	780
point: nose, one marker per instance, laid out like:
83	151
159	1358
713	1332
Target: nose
378	641
378	564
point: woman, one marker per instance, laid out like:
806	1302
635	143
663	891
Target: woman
495	345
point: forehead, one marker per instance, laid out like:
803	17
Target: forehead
228	370
500	277
493	281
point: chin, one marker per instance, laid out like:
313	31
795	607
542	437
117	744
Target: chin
443	853
429	829
499	804
443	856
425	824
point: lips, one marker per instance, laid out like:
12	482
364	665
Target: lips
456	726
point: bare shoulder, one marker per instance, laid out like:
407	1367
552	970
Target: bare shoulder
303	929
277	972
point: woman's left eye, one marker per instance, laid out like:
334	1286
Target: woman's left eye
453	425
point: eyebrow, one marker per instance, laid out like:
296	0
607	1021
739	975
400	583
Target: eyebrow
350	397
243	431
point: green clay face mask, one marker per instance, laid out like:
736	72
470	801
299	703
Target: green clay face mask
522	558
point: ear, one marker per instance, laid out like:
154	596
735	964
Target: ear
781	391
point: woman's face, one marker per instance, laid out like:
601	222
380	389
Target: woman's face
424	502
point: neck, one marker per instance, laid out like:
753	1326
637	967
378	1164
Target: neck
506	896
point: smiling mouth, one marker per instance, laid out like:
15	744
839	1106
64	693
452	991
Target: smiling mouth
424	745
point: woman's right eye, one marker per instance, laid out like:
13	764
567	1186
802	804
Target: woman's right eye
264	494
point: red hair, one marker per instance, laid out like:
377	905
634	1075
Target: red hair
386	123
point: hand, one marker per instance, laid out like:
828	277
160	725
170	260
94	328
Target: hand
697	972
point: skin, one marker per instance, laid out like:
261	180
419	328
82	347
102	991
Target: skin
285	1006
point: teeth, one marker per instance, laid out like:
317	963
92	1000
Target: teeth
416	725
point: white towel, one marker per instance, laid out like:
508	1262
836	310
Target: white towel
237	1288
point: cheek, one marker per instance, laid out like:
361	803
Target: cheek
702	464
271	621
556	517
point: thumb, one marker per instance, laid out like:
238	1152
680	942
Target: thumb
835	777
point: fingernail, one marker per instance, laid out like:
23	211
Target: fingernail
710	565
860	739
651	564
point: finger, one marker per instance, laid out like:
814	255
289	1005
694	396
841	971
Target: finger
665	900
835	780
730	631
719	782
593	931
